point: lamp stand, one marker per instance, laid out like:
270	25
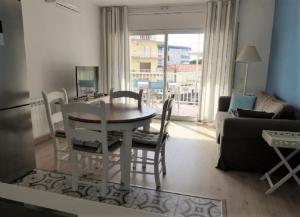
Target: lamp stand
246	77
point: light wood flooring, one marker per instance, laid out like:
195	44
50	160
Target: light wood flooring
191	156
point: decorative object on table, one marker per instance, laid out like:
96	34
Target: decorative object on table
153	142
241	101
282	139
248	55
55	121
146	199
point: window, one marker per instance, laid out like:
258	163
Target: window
180	77
145	67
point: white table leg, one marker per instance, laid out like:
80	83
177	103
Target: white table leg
270	172
146	127
283	180
292	172
287	165
126	158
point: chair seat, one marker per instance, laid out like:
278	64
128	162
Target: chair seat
60	133
146	139
86	146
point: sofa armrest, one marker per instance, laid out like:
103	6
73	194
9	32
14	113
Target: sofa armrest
224	103
253	127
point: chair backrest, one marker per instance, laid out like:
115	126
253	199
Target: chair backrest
54	117
166	117
86	132
126	94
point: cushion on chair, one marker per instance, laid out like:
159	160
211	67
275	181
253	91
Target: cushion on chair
60	133
88	146
116	133
145	139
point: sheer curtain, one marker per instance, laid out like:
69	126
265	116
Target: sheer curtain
114	49
219	54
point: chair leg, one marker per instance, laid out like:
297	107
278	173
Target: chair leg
156	169
55	152
144	160
75	172
135	154
163	151
105	176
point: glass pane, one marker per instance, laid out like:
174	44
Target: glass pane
185	52
147	64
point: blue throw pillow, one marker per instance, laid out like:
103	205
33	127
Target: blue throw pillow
241	102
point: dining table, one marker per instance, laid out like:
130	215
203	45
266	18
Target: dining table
125	118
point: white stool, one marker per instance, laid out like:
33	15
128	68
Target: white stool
281	139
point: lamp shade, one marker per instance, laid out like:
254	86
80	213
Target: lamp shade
248	54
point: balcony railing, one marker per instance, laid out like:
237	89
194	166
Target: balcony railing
184	85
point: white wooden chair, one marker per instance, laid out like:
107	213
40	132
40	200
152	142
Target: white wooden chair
131	95
87	140
55	121
126	94
153	142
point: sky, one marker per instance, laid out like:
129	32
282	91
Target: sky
195	41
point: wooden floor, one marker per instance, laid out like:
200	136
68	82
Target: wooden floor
191	155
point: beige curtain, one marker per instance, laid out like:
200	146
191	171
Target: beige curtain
114	70
219	54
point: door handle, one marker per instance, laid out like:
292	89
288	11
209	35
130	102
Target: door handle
1	34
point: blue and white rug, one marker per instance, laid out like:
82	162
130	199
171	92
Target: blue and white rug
166	203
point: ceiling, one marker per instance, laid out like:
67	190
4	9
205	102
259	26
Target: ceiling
144	2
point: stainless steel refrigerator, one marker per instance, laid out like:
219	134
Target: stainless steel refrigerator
16	139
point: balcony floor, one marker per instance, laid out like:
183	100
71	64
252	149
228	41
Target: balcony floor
179	109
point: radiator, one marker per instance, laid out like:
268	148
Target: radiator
40	125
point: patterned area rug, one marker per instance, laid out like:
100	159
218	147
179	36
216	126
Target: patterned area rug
166	203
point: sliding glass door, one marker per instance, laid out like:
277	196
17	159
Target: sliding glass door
165	64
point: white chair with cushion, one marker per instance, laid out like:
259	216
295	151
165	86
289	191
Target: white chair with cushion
90	140
126	94
153	142
55	121
131	95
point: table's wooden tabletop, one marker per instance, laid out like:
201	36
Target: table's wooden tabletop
118	113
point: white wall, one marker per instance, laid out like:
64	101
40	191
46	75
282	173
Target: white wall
162	19
57	40
256	23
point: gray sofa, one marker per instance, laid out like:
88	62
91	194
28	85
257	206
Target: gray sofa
240	142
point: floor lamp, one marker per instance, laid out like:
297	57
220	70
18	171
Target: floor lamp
248	55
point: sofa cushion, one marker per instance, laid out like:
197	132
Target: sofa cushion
240	101
270	104
274	106
262	99
242	113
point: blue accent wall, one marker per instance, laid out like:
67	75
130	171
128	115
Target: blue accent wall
284	66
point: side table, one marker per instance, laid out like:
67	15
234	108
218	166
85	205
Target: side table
282	139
